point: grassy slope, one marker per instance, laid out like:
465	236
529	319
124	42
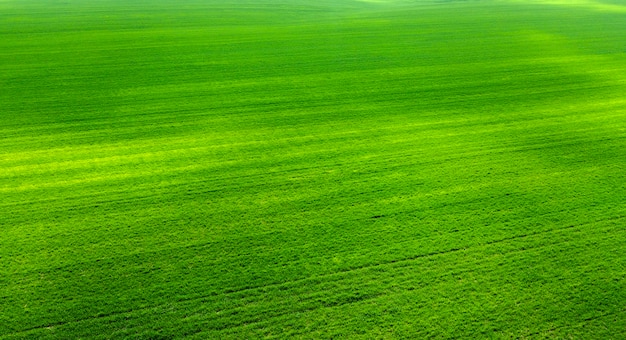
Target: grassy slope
264	168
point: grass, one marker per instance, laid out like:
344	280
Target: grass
274	169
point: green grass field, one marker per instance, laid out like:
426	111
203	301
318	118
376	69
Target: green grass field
245	169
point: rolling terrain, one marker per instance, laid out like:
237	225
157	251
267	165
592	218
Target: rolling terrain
312	169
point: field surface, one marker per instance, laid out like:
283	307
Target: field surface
312	169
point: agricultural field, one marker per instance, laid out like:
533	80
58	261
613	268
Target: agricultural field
241	169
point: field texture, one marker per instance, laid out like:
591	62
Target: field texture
312	169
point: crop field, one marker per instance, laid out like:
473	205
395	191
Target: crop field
241	169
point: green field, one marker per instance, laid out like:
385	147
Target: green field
280	169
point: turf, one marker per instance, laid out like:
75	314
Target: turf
312	169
